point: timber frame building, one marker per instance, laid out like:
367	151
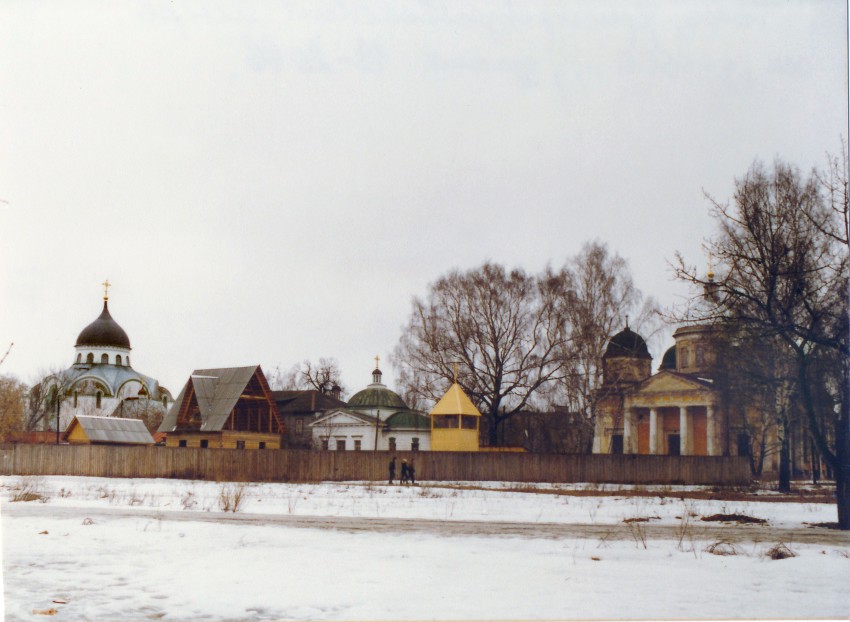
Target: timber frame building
227	408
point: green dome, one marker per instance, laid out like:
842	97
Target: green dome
376	397
408	419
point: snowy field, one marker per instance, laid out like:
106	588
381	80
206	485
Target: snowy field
109	549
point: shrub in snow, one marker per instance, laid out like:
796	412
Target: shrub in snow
230	497
29	489
722	547
780	551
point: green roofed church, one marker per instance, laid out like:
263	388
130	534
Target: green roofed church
375	418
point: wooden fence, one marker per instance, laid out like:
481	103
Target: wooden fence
313	466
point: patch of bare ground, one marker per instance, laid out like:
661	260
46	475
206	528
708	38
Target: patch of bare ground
823	525
712	494
741	519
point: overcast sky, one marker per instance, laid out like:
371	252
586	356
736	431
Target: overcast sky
269	182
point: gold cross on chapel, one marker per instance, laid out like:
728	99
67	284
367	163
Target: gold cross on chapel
377	359
106	285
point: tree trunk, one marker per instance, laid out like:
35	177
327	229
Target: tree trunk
493	431
815	458
842	471
785	465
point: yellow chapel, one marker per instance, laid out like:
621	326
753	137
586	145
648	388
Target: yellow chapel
454	422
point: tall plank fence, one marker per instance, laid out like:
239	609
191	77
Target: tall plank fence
312	466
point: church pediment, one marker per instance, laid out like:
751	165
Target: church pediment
343	418
671	383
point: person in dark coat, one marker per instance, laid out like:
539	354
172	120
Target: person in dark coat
411	472
405	473
392	470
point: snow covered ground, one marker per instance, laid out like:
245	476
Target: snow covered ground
163	549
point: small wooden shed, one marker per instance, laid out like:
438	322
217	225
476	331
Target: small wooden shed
91	430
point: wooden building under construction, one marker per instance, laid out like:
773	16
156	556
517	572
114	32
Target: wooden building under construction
228	408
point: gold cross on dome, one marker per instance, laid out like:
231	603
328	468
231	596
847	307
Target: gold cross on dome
377	359
106	285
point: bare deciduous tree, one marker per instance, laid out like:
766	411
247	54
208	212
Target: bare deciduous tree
501	327
46	392
322	376
12	399
600	297
783	275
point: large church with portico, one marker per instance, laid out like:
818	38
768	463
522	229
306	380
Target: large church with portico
677	411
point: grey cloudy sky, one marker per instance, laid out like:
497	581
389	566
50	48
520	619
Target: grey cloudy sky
269	182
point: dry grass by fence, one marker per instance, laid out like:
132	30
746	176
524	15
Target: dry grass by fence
310	466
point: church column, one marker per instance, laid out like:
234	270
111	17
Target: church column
653	431
710	431
684	431
628	431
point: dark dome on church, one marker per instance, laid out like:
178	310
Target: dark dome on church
104	332
668	361
627	343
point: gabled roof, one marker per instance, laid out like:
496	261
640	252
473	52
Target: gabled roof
666	381
304	402
455	402
216	391
111	430
348	415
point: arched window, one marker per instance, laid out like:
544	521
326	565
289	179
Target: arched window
76	395
90	358
99	399
128	361
117	359
79	357
104	359
683	359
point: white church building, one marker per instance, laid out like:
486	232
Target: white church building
375	418
101	380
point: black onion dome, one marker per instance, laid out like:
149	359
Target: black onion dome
627	343
104	331
668	361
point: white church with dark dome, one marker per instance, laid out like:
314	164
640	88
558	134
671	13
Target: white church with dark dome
101	380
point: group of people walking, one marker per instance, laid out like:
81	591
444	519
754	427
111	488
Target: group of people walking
408	472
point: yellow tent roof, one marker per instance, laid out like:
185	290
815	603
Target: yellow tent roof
455	402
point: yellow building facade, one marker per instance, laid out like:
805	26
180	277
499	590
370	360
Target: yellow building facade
454	422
